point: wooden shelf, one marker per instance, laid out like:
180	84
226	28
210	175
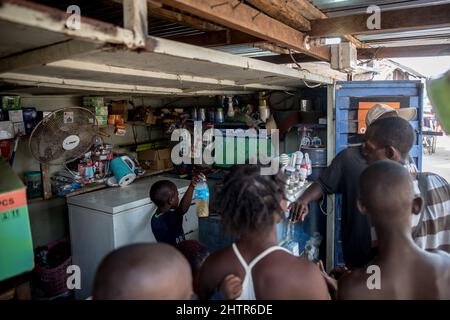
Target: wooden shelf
98	186
94	187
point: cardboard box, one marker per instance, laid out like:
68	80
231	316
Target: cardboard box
121	107
93	101
15	115
102	120
10	102
16	250
99	111
156	159
19	128
6	130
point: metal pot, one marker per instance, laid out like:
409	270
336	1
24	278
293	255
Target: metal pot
305	105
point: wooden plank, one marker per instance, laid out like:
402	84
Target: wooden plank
34	15
308	10
217	38
135	19
155	9
271	47
249	20
404	52
183	19
287	11
104	87
46	183
395	20
112	71
41	56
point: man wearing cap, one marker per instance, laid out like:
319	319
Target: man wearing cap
342	176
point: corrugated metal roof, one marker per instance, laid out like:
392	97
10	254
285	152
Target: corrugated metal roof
405	38
335	8
244	50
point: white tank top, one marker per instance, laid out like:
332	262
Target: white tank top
248	291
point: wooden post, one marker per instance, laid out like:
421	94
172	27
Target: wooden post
46	183
135	19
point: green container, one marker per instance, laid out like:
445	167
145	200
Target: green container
10	103
439	94
234	150
16	246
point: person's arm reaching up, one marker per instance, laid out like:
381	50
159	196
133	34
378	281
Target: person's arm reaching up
185	203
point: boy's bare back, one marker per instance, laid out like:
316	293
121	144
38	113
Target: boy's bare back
418	275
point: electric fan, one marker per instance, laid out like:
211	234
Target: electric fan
63	136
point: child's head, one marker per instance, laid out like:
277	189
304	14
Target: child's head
143	272
387	193
164	193
195	253
249	201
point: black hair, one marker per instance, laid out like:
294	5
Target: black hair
248	200
384	184
195	252
161	191
393	132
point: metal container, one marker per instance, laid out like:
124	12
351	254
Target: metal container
318	156
219	115
201	114
194	114
306	105
211	115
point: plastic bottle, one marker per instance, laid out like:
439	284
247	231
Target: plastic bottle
303	169
290	181
308	164
201	197
288	238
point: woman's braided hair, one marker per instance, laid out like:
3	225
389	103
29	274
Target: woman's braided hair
247	200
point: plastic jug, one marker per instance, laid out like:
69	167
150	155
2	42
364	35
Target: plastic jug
201	198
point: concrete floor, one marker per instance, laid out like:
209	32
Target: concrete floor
439	162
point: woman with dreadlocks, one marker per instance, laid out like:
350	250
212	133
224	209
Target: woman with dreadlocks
251	205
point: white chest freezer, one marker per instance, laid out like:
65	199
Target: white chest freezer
104	220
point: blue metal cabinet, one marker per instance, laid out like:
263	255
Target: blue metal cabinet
347	98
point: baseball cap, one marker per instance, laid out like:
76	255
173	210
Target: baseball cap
379	109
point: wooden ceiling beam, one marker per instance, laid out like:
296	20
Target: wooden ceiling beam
287	11
238	16
391	21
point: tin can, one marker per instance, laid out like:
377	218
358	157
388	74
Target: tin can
201	114
219	115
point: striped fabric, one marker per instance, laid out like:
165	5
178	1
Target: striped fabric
433	233
434	230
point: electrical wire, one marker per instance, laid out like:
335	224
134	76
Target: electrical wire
329	203
302	69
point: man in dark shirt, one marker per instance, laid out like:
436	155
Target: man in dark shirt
342	177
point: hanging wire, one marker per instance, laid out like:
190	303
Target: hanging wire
311	86
329	204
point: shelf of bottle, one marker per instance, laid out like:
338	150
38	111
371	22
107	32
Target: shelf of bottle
293	197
